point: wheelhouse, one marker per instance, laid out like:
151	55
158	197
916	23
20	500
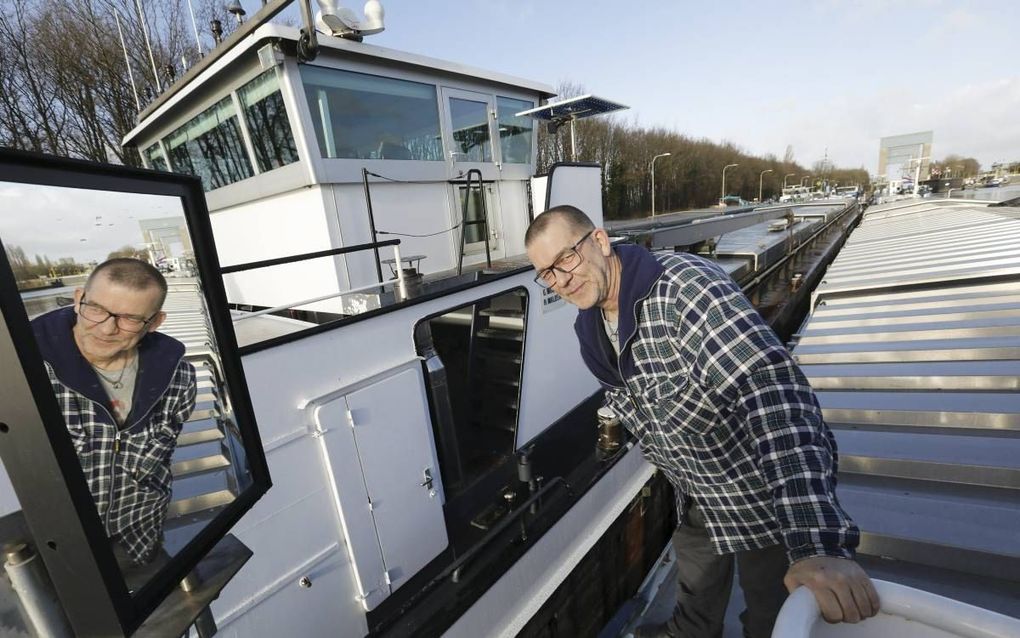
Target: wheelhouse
362	144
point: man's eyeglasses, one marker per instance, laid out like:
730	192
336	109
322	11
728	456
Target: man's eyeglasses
567	262
98	314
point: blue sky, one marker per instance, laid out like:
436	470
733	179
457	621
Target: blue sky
829	74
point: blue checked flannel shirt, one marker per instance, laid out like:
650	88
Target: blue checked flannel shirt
719	406
127	469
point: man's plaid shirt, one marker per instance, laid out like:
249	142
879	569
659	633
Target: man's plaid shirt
720	407
127	468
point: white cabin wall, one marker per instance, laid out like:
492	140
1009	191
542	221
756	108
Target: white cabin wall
294	529
417	209
294	533
513	197
282	225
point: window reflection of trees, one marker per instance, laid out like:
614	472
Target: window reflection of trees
267	120
266	117
216	155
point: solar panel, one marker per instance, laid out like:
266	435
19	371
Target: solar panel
573	108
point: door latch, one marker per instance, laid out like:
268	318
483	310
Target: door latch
427	483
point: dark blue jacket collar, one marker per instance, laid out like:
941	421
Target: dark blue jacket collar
639	272
158	358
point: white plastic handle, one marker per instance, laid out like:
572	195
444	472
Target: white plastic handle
800	613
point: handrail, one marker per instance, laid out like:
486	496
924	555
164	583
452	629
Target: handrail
484	221
322	253
304	302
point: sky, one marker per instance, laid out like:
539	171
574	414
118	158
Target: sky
85	226
829	76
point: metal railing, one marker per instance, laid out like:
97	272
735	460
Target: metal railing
266	263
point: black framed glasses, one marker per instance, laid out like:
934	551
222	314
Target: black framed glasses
98	314
567	262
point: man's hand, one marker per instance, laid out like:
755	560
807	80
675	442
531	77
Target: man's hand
843	591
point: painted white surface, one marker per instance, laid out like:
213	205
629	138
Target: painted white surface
283	225
293	531
350	498
579	186
906	613
508	605
393	431
538	188
409	209
555	378
294	526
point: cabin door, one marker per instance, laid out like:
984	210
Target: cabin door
469	123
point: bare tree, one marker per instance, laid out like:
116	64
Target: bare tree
65	85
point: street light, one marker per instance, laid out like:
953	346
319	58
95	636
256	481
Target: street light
653	178
760	177
804	178
787	176
722	200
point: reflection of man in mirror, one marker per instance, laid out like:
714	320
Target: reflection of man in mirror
125	391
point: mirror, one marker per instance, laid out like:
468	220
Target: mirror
139	379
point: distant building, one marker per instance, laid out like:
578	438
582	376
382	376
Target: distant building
904	152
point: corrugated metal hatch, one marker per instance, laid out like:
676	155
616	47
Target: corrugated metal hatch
913	347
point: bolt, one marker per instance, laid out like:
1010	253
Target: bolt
305	582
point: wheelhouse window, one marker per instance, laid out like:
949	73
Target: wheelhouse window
266	118
370	117
514	132
210	147
470	122
154	155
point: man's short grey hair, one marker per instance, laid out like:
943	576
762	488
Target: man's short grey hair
134	274
574	217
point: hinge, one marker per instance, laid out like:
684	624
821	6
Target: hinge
371	506
350	417
387	578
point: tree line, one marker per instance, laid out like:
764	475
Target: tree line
690	177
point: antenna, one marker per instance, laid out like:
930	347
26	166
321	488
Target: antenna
148	45
194	24
344	23
127	61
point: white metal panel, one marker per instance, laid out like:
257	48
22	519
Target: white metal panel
288	224
579	186
552	359
538	187
393	432
293	532
350	497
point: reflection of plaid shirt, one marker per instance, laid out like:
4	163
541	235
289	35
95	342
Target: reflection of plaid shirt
719	406
127	470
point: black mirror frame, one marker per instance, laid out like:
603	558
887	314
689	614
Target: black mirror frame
48	482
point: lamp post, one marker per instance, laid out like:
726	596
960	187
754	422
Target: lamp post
760	177
653	178
723	196
804	177
787	176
